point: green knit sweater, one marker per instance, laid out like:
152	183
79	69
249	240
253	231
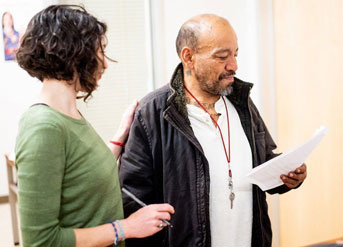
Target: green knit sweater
68	178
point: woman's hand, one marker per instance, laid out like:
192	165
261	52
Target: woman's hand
123	130
147	220
125	123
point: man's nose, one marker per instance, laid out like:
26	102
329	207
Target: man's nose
231	64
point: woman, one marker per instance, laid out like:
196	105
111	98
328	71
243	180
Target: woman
69	193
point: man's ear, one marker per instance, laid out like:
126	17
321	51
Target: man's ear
187	57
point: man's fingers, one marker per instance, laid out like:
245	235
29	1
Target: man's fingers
301	177
294	178
301	169
290	182
299	174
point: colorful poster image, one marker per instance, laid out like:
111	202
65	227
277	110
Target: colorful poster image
15	15
10	36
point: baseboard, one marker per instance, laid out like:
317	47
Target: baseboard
3	199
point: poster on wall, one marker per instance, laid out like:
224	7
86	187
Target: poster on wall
10	36
15	15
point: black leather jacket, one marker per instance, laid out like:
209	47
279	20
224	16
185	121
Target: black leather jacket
164	162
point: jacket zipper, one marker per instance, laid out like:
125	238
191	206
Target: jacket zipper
254	154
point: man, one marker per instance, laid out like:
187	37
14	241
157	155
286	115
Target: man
193	141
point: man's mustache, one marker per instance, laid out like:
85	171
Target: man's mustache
229	73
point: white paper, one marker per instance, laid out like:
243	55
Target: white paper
267	175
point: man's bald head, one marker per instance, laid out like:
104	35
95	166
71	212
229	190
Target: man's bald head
195	28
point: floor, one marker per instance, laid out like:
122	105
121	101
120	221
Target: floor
6	237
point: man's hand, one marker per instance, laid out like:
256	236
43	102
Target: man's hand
294	178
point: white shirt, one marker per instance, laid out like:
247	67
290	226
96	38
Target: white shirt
229	227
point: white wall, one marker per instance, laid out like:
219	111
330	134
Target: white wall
17	93
128	79
17	88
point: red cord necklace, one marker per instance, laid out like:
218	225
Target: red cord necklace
227	151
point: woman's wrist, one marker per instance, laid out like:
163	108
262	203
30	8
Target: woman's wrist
126	228
121	144
120	229
120	136
116	236
117	232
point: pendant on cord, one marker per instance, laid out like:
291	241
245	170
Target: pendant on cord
227	151
232	195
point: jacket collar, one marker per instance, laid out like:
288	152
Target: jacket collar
177	97
238	97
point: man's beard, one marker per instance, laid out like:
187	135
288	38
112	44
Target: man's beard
213	87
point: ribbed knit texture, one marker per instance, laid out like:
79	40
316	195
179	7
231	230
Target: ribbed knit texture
68	178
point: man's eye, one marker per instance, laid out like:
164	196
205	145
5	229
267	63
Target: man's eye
223	58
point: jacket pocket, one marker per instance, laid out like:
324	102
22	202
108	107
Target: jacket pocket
260	147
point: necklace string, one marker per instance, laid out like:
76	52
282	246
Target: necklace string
227	151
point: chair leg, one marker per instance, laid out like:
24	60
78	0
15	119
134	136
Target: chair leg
15	228
13	198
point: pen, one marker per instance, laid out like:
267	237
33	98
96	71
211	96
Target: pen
141	203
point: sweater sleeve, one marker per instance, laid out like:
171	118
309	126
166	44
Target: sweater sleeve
40	160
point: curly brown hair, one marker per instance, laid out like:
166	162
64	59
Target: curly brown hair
62	41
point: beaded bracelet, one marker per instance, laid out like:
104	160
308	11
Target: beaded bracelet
116	239
121	231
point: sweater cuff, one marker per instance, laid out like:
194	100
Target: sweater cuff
68	237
